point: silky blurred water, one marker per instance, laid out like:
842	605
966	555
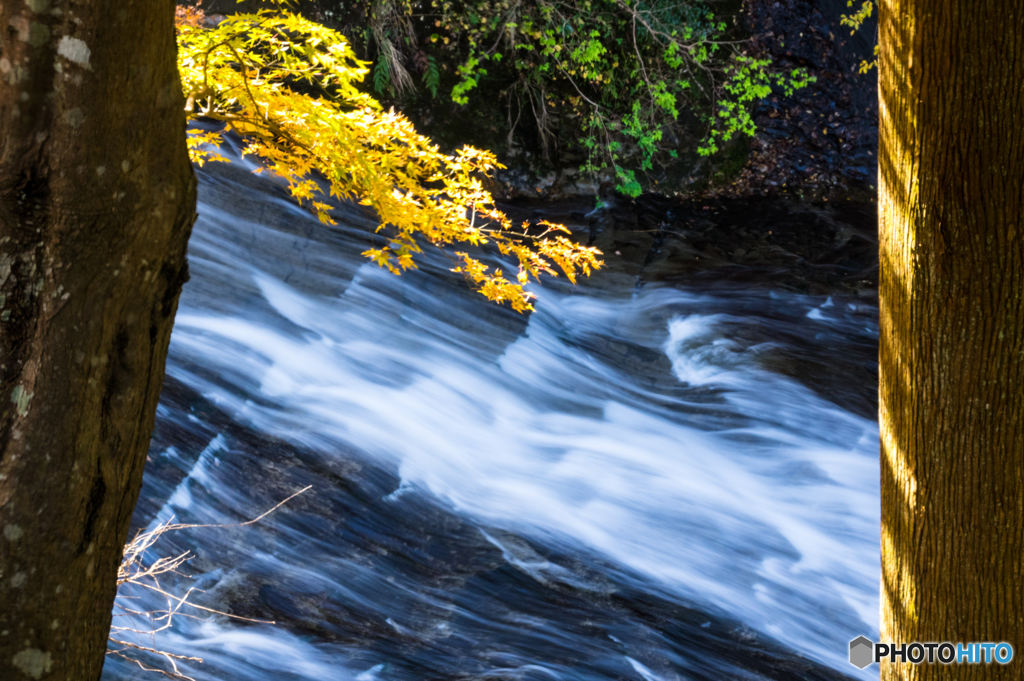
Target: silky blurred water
630	483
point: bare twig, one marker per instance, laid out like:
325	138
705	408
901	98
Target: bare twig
135	571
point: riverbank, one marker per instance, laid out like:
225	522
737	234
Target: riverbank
818	143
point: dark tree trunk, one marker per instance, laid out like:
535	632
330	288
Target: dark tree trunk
97	198
951	200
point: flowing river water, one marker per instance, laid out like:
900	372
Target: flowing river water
623	485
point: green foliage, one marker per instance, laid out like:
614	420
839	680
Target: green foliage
432	76
747	81
470	73
382	76
616	75
855	21
288	86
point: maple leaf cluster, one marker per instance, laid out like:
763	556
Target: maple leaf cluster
287	85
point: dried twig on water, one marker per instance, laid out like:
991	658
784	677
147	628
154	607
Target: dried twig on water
135	571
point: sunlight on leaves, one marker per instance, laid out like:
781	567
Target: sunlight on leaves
287	86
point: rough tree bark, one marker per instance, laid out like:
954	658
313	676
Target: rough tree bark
951	208
97	198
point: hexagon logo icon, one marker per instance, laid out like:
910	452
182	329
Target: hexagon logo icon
861	652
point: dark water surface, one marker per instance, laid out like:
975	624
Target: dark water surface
628	484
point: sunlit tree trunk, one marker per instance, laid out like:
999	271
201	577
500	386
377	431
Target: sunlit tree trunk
97	198
951	206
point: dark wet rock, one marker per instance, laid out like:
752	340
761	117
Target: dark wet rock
820	247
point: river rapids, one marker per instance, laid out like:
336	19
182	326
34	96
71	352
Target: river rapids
629	483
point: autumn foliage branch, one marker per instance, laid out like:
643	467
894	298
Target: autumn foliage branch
287	85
